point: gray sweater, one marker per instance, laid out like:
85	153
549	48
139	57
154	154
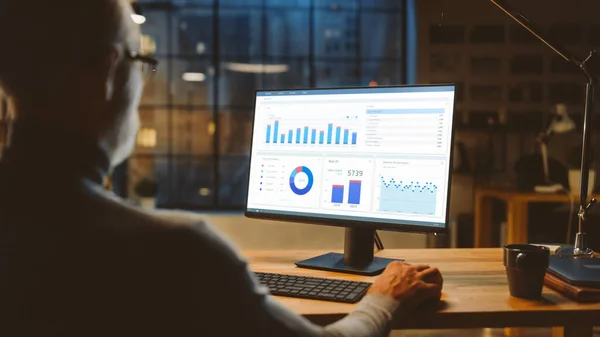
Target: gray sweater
77	261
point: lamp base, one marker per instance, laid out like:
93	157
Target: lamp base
571	251
580	249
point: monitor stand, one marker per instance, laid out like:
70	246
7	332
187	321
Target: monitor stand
358	257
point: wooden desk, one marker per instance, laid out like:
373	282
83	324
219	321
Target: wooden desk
475	293
517	213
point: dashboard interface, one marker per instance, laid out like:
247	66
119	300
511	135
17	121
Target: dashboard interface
367	154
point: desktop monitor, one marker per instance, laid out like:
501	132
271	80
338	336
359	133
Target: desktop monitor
362	158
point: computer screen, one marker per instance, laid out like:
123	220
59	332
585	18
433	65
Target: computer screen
377	157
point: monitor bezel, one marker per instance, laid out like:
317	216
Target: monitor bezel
361	224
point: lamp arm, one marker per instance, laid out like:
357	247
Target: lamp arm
532	28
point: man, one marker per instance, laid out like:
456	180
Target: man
77	261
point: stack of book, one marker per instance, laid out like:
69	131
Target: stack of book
576	293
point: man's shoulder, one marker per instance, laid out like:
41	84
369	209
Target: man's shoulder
171	231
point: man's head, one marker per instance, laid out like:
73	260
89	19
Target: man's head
65	64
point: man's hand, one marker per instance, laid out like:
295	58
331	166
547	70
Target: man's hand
410	285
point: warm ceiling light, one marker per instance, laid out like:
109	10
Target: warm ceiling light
138	19
193	77
257	68
137	16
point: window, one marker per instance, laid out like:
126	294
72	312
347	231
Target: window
196	112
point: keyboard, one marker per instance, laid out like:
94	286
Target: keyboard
314	288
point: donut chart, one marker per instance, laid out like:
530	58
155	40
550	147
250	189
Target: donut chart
309	182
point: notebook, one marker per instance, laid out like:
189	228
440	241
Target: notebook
578	272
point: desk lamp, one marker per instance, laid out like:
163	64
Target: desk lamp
580	249
561	123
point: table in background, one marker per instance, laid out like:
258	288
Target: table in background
517	212
475	293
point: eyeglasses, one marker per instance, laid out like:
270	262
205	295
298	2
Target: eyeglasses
148	63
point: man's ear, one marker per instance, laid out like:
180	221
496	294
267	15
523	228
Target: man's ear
111	64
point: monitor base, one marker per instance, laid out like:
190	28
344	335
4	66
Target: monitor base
335	262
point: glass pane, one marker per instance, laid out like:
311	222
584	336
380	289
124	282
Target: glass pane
192	132
288	3
239	3
235	135
190	181
336	4
235	131
333	74
240	33
381	4
382	72
156	87
335	33
144	179
381	35
191	82
153	135
291	74
155	33
193	32
288	32
233	185
238	81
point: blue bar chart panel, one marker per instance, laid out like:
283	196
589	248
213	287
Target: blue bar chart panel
337	194
321	133
354	192
409	197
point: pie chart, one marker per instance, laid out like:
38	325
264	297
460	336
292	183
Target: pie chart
301	180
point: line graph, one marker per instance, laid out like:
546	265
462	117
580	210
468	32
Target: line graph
408	196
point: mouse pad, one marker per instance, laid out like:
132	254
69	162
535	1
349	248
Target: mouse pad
581	271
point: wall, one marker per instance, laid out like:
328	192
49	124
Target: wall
506	80
272	235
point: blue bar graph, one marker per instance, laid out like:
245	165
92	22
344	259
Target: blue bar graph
337	194
310	134
354	192
276	132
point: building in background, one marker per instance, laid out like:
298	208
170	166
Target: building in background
197	111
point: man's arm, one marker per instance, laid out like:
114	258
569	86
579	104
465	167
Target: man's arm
370	317
259	314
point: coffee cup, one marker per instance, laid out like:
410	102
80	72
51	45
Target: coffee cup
525	269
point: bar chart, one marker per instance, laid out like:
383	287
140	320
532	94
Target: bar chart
409	197
347	183
354	189
328	134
